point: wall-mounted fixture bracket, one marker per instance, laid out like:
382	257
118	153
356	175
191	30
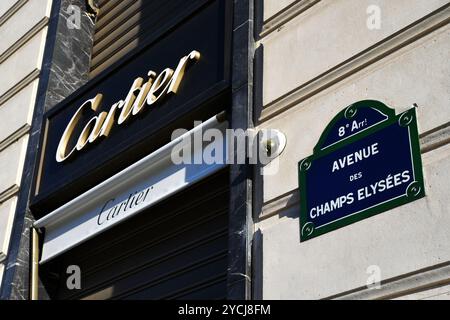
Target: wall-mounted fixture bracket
273	141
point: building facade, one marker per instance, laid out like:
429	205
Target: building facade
94	206
333	57
23	29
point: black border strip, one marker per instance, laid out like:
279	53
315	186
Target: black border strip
241	175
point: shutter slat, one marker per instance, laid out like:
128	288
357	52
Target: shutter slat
177	249
114	13
124	25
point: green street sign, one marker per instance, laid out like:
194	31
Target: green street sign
367	161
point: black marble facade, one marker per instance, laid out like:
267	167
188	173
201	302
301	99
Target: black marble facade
65	68
241	175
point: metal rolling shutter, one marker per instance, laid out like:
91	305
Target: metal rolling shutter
176	250
122	25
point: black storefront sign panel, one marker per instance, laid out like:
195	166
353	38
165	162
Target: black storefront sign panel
367	161
201	93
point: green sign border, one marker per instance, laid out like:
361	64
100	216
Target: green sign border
415	191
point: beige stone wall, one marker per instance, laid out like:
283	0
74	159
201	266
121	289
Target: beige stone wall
319	57
23	30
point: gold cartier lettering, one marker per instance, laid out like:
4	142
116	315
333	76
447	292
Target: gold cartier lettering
140	95
88	134
129	100
179	72
141	99
160	86
61	153
109	121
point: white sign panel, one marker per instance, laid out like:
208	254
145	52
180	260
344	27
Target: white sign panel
127	193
